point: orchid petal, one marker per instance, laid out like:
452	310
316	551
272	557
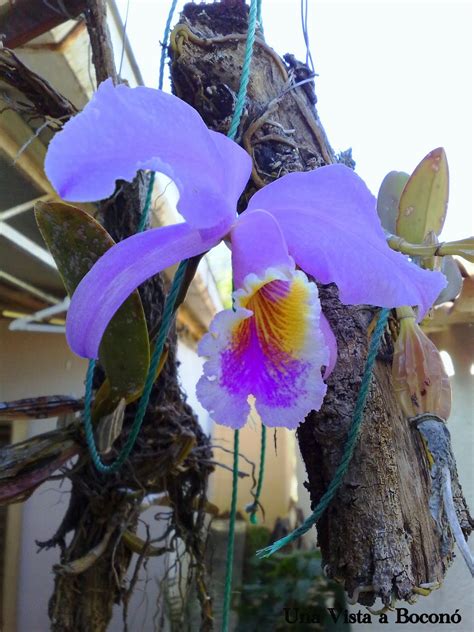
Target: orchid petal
257	244
118	273
122	130
329	221
235	162
268	351
331	344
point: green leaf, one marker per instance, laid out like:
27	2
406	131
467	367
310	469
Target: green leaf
389	197
76	241
424	199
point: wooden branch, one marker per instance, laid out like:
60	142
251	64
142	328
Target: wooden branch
42	99
24	466
378	537
40	407
102	51
23	20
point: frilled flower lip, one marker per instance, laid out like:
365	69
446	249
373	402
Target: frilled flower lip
268	352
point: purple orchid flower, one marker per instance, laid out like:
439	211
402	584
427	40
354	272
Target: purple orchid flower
269	351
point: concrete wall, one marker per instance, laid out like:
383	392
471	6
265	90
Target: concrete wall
42	364
279	484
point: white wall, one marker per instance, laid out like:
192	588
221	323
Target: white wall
41	364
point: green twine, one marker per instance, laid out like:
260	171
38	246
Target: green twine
254	506
245	76
166	320
164	50
239	106
348	449
230	541
259	14
146	208
167	317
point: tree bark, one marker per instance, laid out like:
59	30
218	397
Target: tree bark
378	536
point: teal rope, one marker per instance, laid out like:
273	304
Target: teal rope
230	541
234	125
146	208
254	506
351	443
164	50
245	76
166	320
259	14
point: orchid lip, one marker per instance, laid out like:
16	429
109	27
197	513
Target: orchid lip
269	348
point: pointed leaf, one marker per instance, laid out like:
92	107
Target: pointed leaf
76	241
389	198
424	199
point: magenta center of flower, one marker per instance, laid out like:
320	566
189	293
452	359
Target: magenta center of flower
263	358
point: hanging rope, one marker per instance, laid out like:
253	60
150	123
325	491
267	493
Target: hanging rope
259	15
164	50
167	318
230	541
239	107
261	471
351	443
245	76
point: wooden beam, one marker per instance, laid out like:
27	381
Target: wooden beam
16	134
22	21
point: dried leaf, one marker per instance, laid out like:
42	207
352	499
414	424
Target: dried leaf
82	564
30	474
110	427
163	500
418	374
424	199
76	241
140	547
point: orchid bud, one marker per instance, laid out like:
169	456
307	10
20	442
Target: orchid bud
419	378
